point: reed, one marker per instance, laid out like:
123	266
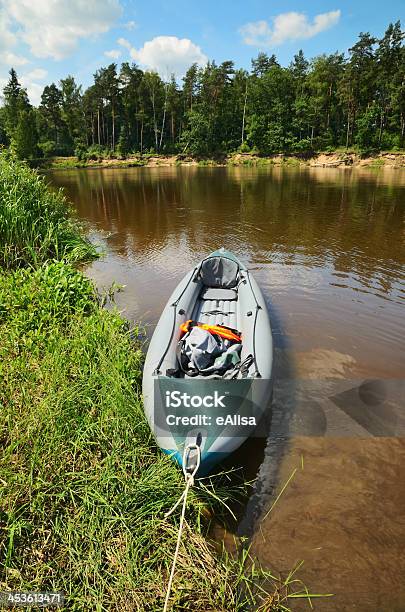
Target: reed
36	223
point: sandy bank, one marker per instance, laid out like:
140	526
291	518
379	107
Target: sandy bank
337	159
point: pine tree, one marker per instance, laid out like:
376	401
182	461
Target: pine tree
15	101
130	78
124	141
263	63
25	139
389	57
50	118
72	112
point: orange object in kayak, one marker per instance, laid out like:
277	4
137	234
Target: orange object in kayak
220	330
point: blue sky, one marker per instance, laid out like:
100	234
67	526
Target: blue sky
45	40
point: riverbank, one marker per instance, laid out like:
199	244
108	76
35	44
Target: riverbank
336	159
83	486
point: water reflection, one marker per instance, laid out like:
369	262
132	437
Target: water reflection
354	224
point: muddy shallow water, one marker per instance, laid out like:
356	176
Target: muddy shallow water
327	247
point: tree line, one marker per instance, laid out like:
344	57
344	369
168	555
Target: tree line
332	101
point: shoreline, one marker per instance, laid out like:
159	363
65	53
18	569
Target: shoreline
336	159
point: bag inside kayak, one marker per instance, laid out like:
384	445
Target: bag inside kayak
203	351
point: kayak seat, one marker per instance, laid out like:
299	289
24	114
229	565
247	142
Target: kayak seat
219	272
212	308
217	302
211	293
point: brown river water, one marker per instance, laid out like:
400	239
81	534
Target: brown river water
327	247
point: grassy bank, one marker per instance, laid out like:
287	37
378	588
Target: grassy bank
83	487
330	159
35	223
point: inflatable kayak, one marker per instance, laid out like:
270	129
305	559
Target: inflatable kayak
207	377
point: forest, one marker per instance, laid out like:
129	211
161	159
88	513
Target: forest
332	101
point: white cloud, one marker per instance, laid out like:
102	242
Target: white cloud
124	43
34	89
38	74
8	40
113	54
287	27
255	32
52	28
130	25
168	54
10	59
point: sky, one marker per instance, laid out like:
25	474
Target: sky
46	40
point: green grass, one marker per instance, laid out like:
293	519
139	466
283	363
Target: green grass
378	162
35	223
207	163
68	163
291	161
83	487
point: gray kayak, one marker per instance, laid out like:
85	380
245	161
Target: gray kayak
217	411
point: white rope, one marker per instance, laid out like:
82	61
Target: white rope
189	478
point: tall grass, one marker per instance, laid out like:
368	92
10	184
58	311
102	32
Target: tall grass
35	222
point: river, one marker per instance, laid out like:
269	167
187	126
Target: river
327	248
